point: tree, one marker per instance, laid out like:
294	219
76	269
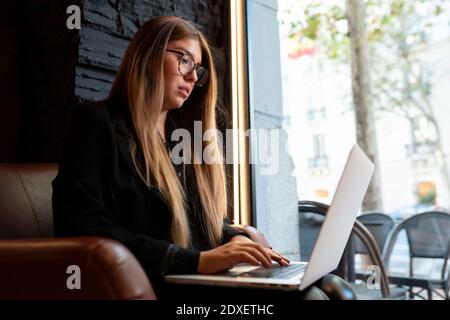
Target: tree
396	31
364	118
403	82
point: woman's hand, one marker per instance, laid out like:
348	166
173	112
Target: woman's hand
273	255
239	250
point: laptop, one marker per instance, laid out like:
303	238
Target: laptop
328	248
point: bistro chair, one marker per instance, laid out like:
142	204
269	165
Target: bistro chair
345	268
428	236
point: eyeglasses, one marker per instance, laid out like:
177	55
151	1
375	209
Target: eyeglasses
186	65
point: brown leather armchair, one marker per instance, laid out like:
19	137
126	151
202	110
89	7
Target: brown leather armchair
34	265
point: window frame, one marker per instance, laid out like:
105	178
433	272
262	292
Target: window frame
242	171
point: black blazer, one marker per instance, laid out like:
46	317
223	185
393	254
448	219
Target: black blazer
97	192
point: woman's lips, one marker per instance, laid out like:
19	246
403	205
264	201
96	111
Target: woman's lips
183	92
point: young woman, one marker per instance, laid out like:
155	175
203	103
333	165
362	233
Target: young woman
116	178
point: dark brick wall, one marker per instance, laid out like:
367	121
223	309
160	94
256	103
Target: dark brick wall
109	25
60	67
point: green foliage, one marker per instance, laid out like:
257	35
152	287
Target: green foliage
322	22
312	27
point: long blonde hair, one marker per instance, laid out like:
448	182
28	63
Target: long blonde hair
140	80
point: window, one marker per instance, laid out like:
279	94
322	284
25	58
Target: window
319	158
423	140
302	81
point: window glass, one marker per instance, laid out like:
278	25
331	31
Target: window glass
407	63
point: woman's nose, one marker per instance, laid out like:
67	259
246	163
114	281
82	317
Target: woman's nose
192	76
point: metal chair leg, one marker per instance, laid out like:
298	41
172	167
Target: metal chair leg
430	292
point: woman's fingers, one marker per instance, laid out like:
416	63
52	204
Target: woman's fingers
254	253
282	257
264	252
266	261
278	257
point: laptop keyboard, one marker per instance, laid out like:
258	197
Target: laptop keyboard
277	271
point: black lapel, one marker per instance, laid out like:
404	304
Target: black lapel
122	125
123	134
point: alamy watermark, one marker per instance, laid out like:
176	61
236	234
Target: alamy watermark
74	20
74	280
264	147
373	281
